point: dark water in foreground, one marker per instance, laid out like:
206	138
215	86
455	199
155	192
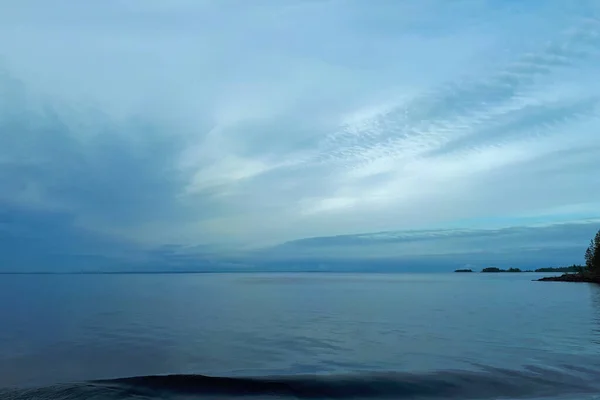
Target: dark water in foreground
446	336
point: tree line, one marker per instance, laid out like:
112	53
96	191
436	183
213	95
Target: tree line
591	268
592	256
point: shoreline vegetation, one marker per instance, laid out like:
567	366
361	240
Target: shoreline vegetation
589	273
571	269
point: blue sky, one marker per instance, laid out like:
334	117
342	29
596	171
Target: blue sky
180	133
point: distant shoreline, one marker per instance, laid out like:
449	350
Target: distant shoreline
574	273
494	270
259	271
575	277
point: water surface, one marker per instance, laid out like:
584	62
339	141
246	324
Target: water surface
446	335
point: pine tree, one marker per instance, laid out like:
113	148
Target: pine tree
589	255
595	256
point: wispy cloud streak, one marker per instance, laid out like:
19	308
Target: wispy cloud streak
247	125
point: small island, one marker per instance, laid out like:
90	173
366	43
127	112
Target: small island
494	270
571	269
575	273
590	273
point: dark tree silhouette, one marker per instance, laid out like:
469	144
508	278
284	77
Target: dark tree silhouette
589	255
590	273
592	255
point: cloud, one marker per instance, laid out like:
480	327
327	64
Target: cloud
526	247
48	241
242	125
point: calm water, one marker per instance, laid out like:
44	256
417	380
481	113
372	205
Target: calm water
402	335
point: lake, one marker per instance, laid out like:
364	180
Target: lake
313	335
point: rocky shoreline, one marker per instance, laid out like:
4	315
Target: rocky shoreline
571	278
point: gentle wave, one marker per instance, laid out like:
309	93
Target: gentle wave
485	384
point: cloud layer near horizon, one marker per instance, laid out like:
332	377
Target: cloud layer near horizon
127	126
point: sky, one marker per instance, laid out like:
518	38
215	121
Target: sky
181	134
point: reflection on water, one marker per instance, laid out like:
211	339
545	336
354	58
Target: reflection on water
595	295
